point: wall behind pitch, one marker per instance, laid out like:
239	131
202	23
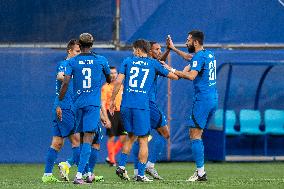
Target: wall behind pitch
223	21
28	90
55	21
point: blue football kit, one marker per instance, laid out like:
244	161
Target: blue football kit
65	127
205	98
87	70
139	74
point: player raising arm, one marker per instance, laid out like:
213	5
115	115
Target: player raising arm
202	71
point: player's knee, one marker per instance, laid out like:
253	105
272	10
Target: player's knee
75	140
88	138
195	133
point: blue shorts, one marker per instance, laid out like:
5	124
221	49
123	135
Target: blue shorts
136	121
158	118
66	127
87	119
201	113
98	135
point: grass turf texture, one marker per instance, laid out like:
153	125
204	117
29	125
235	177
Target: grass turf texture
220	175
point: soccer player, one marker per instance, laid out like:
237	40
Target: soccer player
202	71
65	127
158	119
87	70
138	73
117	129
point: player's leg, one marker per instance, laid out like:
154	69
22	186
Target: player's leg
111	141
120	132
56	145
135	151
201	113
159	123
93	157
142	127
70	129
91	116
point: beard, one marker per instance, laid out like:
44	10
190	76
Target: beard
191	49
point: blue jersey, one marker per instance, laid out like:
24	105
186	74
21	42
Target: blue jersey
87	70
140	74
205	82
67	102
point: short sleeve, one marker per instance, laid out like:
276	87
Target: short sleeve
69	69
122	69
196	63
106	69
60	68
161	70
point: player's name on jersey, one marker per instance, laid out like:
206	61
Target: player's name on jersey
135	90
140	63
86	61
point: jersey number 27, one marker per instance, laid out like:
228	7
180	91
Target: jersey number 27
133	82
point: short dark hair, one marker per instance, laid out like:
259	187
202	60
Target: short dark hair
142	44
72	43
153	42
112	67
197	35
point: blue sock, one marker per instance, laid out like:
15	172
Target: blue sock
50	159
198	152
76	156
135	149
141	168
84	157
86	170
71	161
93	159
123	159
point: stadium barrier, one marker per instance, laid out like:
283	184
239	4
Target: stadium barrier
28	84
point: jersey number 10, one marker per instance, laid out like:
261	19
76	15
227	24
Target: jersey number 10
135	72
87	82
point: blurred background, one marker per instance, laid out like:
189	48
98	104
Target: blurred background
246	37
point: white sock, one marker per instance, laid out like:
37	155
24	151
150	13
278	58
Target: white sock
150	165
49	174
122	167
68	164
79	175
201	171
135	172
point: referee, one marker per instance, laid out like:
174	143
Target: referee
117	129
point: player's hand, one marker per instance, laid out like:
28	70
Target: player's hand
59	113
107	124
186	68
111	107
169	42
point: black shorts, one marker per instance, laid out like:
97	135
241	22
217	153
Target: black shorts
117	128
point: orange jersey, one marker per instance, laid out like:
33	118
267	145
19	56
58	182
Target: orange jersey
107	90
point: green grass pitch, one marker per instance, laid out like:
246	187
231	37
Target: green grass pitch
220	175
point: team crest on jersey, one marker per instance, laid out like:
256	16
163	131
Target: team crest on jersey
194	64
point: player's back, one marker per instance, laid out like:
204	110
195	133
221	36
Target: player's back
205	82
87	70
140	73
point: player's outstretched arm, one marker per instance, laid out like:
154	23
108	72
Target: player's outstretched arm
64	87
117	84
165	55
171	46
185	74
104	117
172	76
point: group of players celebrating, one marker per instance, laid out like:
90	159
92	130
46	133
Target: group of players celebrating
79	109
